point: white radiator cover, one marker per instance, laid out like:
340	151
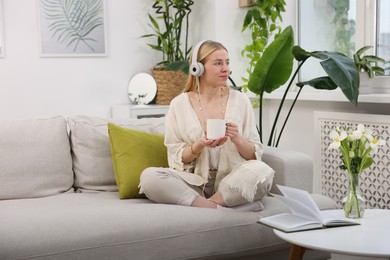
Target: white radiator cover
330	180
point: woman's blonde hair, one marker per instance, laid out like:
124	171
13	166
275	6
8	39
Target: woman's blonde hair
204	52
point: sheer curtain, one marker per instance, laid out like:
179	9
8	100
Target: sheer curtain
383	33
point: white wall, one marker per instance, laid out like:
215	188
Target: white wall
33	87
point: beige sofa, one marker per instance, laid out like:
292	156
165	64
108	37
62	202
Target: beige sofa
59	200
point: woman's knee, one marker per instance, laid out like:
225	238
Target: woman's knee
149	176
249	182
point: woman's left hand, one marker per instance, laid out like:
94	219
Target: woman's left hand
244	147
232	131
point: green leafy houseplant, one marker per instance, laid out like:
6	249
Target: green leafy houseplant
275	66
368	63
261	20
170	24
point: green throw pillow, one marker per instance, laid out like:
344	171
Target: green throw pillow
132	151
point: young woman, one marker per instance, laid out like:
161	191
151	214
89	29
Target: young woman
225	173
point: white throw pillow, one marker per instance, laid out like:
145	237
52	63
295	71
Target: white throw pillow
92	162
35	159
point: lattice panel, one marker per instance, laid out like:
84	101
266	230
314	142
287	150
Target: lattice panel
375	181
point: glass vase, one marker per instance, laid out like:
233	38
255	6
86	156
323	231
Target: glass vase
354	202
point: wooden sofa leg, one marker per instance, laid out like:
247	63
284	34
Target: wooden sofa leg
296	252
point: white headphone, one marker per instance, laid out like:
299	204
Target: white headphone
196	68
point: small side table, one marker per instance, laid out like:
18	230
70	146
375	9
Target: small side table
368	240
138	111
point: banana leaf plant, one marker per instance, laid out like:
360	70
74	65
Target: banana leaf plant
275	66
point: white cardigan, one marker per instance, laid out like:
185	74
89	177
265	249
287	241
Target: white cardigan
182	128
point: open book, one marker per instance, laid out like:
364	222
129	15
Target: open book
305	213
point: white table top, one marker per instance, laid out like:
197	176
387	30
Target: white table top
370	238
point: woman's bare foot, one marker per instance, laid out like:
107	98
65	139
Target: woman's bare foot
202	202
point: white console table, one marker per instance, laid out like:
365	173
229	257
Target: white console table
138	111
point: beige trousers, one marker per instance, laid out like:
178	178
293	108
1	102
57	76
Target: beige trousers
163	185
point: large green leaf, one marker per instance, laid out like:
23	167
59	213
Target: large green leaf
178	66
343	72
302	55
274	67
324	83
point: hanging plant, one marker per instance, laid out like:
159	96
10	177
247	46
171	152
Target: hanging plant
261	20
344	27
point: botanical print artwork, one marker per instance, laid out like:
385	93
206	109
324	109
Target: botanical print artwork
72	27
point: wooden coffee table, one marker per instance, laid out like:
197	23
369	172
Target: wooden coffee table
370	239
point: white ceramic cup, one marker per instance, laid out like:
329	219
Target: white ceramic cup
216	128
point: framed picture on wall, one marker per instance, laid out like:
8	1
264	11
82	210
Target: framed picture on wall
1	30
72	28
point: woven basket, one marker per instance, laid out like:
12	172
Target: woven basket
169	85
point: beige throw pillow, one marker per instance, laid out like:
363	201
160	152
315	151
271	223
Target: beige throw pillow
35	158
92	162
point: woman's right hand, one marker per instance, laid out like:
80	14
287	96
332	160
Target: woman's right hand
214	143
193	151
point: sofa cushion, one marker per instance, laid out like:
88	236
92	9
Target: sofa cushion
133	151
35	158
100	226
92	163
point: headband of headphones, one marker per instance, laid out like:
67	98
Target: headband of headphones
196	68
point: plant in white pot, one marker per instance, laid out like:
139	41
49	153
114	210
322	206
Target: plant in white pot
368	67
170	25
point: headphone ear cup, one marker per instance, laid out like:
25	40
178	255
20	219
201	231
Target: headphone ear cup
197	69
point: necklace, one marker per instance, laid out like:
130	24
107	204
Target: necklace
201	105
222	101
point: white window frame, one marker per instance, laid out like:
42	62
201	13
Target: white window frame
366	24
365	35
366	30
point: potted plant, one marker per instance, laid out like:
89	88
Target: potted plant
368	63
275	66
261	20
368	67
170	25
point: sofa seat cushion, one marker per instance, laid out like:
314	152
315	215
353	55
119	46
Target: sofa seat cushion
100	226
92	162
35	158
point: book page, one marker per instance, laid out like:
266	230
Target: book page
302	204
305	213
288	222
335	218
302	196
299	209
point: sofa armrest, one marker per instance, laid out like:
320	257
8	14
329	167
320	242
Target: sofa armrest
292	168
